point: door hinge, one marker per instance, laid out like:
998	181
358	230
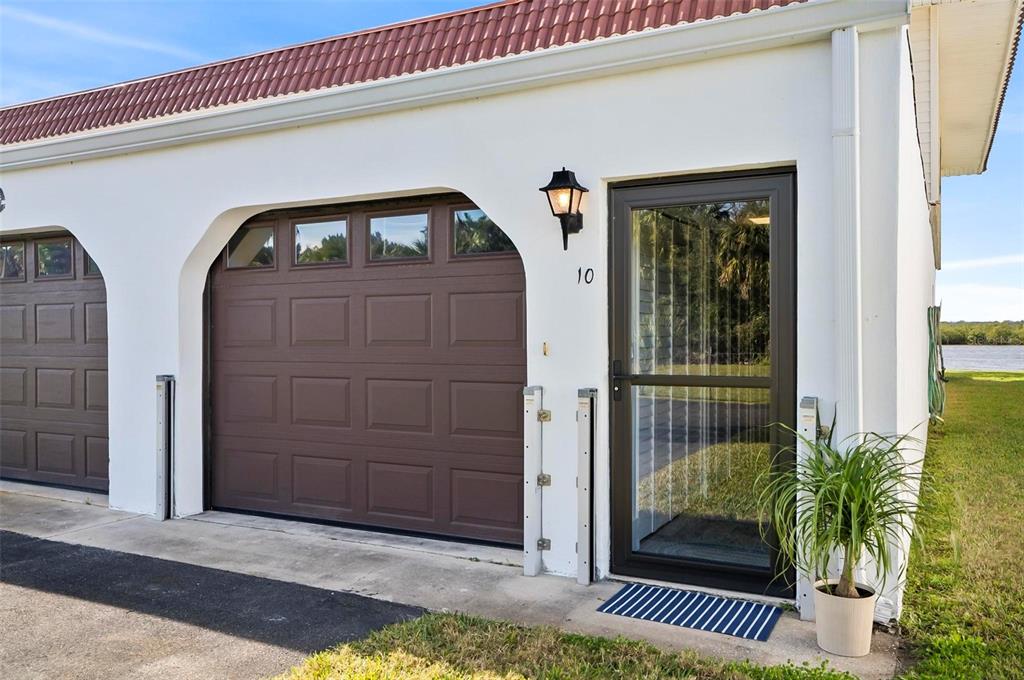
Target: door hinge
543	415
543	544
543	479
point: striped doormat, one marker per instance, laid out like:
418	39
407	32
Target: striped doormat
689	609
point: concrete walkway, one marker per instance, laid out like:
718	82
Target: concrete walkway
435	575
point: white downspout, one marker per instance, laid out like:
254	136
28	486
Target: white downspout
848	339
847	231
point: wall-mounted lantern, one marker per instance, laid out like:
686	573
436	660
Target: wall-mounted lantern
565	195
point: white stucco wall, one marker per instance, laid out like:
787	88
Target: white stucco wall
155	220
880	143
915	292
897	264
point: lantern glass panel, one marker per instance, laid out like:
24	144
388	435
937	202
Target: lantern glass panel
577	198
561	200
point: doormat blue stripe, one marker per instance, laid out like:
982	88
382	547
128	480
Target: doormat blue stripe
690	609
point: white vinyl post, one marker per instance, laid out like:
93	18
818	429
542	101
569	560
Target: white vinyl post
533	460
164	445
808	422
584	484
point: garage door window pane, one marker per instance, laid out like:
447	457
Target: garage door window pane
53	259
317	242
398	236
91	268
251	247
475	234
12	264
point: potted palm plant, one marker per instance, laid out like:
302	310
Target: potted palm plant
843	502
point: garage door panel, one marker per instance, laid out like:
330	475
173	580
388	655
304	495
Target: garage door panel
399	321
96	458
55	322
318	403
399	406
322	482
486	499
376	323
72	419
13	386
385	393
14	449
249	323
378	486
54	453
249	398
55	388
49	391
485	319
95	314
13	324
362	273
484	355
53	378
321	401
400	490
486	409
95	389
306	400
320	322
247	473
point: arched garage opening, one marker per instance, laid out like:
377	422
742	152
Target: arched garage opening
365	366
53	362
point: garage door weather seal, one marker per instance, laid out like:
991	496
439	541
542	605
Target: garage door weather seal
691	609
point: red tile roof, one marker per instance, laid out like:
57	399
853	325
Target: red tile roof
480	33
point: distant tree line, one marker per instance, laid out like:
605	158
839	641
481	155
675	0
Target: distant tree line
982	332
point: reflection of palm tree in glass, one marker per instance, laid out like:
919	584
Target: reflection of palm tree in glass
12	265
54	258
707	267
476	233
743	268
381	247
330	248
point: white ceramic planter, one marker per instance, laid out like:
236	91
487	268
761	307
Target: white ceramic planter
844	624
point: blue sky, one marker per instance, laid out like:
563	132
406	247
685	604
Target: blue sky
49	48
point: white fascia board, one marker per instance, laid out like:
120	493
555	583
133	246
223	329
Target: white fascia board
792	24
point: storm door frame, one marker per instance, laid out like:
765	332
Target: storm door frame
778	185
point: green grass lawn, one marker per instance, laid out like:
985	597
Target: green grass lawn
964	615
455	647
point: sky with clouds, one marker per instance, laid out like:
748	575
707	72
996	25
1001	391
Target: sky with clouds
54	47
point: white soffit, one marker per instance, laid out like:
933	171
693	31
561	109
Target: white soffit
977	43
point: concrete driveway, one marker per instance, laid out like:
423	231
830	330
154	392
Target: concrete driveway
73	611
229	628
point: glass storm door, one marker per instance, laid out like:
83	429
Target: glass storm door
703	366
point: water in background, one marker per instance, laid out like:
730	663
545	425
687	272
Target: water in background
984	357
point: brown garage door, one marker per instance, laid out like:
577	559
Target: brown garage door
53	361
367	367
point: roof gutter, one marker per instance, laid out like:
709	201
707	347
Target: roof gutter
736	34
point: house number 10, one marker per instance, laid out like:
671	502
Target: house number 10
584	276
